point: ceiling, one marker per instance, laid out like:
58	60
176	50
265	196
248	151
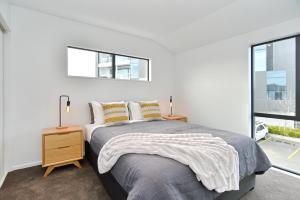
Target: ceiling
178	25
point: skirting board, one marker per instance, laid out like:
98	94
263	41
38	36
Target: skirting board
16	167
25	165
2	179
285	172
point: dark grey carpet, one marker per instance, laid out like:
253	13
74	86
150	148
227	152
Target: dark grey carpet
274	185
71	183
64	183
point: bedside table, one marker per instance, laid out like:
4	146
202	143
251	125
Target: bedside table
62	147
175	117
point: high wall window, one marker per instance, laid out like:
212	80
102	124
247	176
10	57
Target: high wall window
276	100
97	64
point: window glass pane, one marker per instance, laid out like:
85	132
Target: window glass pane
105	65
122	67
131	68
260	61
276	85
280	140
260	127
81	63
274	77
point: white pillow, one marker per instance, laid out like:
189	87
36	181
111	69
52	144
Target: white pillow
98	112
135	111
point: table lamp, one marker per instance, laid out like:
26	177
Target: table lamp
171	106
67	109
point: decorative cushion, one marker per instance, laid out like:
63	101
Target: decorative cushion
150	110
115	113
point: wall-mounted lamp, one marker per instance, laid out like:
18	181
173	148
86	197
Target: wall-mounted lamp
67	109
171	106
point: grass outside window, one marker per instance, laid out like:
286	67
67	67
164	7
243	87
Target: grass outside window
289	132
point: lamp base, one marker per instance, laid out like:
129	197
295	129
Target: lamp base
61	127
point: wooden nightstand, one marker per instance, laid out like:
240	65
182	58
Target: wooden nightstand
175	117
62	147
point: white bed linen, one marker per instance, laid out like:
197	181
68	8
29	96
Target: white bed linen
89	128
215	163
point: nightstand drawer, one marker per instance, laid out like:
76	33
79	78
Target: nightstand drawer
62	140
63	154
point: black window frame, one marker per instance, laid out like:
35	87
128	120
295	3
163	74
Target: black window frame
297	91
114	63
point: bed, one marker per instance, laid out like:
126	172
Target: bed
139	176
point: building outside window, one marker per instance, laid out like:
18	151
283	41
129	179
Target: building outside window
105	65
276	85
276	118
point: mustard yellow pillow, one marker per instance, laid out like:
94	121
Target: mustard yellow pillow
115	113
150	110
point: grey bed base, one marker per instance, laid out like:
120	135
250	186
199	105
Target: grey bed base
116	192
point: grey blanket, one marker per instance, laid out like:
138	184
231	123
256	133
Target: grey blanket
151	177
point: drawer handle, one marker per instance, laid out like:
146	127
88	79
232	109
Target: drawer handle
63	147
62	133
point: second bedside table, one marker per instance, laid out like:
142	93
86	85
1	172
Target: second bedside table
62	147
175	117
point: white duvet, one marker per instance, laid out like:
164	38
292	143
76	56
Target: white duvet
215	163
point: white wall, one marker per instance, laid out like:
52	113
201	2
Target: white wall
4	22
212	82
5	11
1	108
36	76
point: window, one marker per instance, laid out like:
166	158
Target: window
90	63
275	85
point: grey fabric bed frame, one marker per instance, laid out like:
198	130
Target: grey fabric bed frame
116	192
